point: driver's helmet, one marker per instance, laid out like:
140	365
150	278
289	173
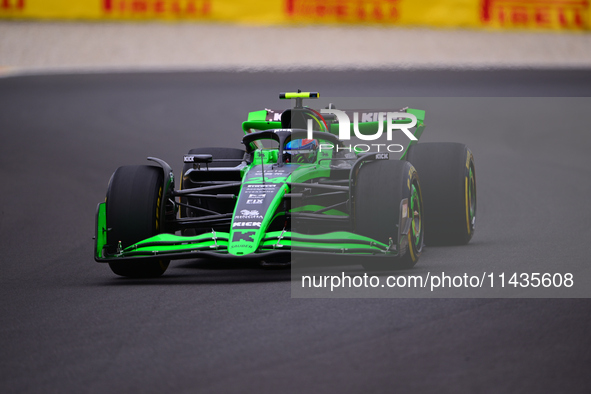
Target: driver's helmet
301	151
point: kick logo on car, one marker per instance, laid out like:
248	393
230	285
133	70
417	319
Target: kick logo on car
247	224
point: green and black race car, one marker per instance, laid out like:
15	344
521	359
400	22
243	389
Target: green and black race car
295	188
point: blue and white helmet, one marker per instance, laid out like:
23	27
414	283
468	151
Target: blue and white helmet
301	151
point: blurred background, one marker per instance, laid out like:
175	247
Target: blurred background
94	84
105	35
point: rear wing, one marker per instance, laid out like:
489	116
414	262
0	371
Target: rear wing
368	121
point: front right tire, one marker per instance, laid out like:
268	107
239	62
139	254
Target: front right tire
379	188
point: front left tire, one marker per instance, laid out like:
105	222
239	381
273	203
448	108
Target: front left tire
133	207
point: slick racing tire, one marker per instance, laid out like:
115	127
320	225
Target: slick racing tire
134	199
448	179
210	204
379	189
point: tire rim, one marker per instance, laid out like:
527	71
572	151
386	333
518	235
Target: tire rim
471	196
415	209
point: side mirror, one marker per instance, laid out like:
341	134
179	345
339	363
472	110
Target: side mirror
203	158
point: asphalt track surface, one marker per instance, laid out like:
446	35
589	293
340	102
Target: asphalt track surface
69	325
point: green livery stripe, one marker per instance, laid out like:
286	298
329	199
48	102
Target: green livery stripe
257	115
170	243
314	208
337	242
101	229
172	239
419	113
260	125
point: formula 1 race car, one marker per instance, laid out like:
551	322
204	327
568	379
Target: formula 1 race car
296	187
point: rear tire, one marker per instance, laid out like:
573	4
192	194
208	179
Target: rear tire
448	179
134	199
380	187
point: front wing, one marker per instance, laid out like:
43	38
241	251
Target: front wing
215	244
